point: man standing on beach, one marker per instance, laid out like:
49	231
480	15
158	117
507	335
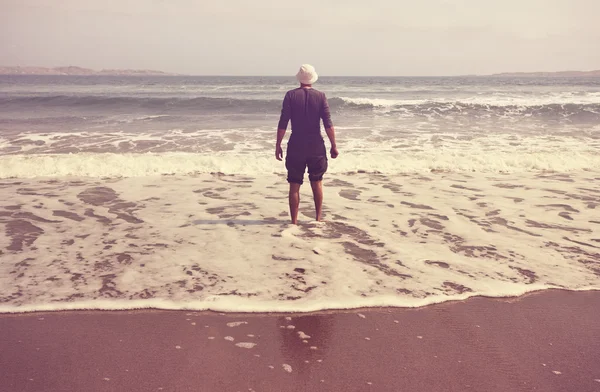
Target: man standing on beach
306	107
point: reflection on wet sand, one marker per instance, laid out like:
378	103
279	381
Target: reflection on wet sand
303	343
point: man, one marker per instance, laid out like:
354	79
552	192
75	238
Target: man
306	107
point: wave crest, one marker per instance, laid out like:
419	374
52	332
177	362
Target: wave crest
586	110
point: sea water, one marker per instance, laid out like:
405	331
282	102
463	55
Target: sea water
132	192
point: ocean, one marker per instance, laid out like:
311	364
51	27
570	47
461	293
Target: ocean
164	192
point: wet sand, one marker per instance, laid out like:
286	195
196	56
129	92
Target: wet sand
545	341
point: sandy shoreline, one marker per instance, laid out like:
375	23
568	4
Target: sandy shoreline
545	341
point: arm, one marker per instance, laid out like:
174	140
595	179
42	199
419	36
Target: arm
331	135
286	114
278	149
328	124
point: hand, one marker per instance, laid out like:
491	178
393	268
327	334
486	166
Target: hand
278	153
334	152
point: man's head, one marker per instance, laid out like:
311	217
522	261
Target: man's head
307	75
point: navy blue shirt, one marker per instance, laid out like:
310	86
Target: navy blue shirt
305	107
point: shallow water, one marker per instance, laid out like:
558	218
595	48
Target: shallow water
223	242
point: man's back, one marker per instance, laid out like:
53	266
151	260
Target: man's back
305	107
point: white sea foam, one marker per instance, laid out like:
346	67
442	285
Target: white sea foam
497	99
236	323
199	243
470	159
246	345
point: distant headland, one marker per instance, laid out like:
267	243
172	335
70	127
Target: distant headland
567	74
71	70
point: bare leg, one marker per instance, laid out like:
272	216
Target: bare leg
317	189
294	202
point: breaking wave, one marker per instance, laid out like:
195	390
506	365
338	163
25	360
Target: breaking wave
575	108
101	165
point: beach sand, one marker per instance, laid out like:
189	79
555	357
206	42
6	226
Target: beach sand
544	341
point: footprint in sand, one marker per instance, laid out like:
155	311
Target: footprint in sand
350	194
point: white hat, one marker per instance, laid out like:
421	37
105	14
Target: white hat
307	74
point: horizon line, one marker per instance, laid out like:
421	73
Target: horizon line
154	72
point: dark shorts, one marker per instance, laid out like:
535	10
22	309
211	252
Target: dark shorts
296	164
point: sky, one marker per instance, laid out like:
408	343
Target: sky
339	37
